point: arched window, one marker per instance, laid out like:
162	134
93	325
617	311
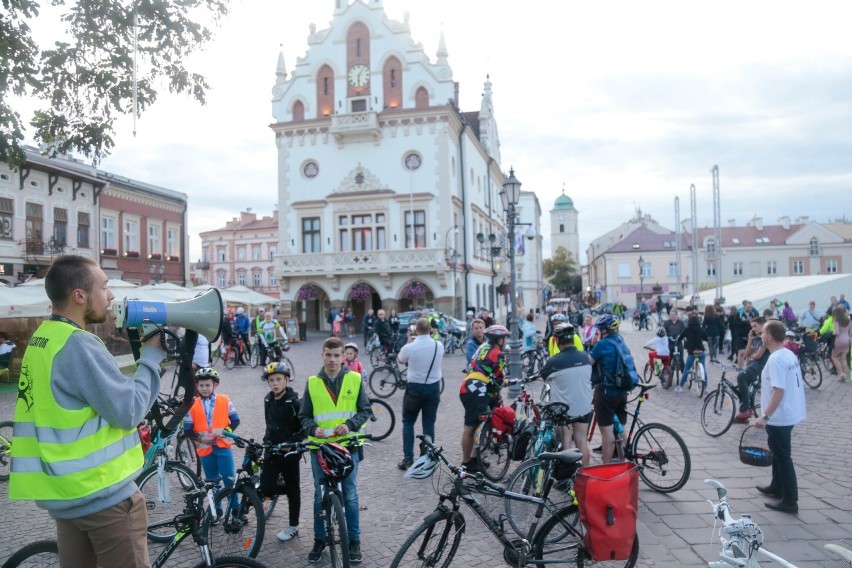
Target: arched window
325	91
561	228
392	80
814	248
421	98
298	111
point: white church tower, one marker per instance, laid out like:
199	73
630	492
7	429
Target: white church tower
564	227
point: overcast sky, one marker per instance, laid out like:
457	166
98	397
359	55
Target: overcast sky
625	103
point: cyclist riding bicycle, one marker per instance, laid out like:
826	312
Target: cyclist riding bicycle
611	359
693	337
756	356
241	329
659	349
480	389
674	326
268	333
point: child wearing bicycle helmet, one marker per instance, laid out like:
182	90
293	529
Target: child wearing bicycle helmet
350	359
281	411
210	415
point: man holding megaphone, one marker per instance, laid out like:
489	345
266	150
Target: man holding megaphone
77	451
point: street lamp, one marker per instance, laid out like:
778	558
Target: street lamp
641	277
511	195
156	271
452	256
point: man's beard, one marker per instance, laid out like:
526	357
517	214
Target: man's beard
91	316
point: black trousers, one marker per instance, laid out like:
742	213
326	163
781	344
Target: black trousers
783	473
288	468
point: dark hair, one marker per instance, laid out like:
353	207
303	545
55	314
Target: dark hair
709	311
758	320
693	321
67	273
776	330
332	343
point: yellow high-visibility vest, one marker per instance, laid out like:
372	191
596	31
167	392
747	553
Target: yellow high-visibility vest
61	454
329	415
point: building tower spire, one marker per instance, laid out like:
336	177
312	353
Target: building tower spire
442	50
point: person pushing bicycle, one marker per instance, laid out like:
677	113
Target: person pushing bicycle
268	333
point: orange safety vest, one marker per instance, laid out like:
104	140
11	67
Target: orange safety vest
220	420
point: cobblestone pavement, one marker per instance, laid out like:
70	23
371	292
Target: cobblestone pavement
674	530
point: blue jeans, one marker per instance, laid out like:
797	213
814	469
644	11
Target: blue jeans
690	360
350	500
418	397
220	463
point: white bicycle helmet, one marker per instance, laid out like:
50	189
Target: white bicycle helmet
424	467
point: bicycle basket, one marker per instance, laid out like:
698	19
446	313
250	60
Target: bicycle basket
753	450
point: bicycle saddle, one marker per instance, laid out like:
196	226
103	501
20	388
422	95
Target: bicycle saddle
572	455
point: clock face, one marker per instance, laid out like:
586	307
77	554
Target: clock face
412	162
359	75
562	217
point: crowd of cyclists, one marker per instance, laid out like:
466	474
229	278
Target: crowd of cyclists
238	329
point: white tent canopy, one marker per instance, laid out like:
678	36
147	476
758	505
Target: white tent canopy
243	295
797	290
24	302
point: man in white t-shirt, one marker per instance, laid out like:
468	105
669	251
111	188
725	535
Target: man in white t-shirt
782	400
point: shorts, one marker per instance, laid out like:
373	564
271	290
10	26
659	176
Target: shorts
606	408
584	419
474	407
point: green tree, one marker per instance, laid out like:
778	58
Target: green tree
84	82
560	270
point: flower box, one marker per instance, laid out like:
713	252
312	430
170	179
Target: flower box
132	254
155	256
173	258
109	252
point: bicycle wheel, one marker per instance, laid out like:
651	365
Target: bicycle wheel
675	371
434	543
289	364
230	358
383	381
529	479
234	562
492	454
544	397
240	530
216	355
636	324
164	498
696	379
254	356
377	357
811	373
39	554
185	453
718	412
6	433
647	373
755	398
382	421
268	505
336	535
662	456
551	548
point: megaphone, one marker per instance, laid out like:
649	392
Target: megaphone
202	314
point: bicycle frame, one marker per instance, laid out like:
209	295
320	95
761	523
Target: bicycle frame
190	523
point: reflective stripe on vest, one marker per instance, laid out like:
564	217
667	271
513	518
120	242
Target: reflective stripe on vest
61	454
220	420
553	345
329	415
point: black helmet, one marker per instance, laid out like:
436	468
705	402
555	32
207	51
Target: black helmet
276	368
661	332
207	373
496	332
335	461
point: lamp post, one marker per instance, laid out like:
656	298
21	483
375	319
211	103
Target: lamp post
510	195
156	271
641	277
452	256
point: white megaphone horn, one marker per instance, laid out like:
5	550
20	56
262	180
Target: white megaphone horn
202	314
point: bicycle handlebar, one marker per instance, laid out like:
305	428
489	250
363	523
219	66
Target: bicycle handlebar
460	472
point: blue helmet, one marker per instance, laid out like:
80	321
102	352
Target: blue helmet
607	322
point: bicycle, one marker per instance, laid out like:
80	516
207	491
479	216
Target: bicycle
657	449
492	445
435	542
386	379
809	359
239	353
529	477
721	404
697	380
195	521
375	352
659	370
676	365
6	432
335	470
742	539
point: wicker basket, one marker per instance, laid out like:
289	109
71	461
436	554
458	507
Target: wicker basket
753	450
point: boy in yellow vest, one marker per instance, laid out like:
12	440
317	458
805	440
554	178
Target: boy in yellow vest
334	408
77	451
210	415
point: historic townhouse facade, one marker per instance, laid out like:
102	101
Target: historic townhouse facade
50	206
383	183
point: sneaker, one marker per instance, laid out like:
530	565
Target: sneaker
743	417
405	464
678	388
355	552
315	554
287	533
471	467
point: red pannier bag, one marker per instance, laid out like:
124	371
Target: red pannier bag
503	421
608	498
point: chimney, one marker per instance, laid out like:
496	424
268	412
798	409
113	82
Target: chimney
802	220
247	217
784	222
732	222
756	222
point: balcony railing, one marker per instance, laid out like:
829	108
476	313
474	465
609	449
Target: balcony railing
355	125
415	260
